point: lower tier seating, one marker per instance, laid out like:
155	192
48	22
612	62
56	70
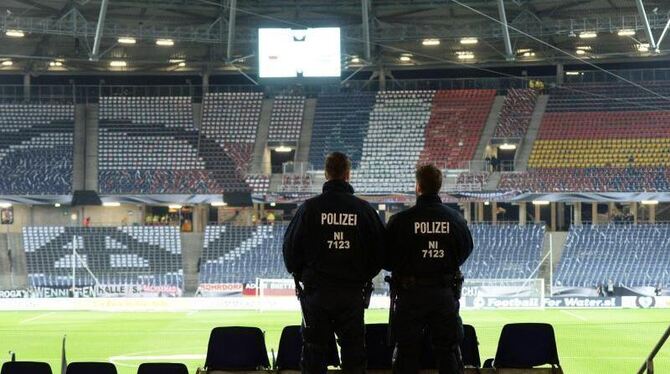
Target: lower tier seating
628	255
113	255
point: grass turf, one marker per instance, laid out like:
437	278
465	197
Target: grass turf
589	341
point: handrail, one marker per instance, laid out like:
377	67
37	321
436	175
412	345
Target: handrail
648	364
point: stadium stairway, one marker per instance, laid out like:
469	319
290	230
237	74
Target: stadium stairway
80	143
15	241
523	155
191	250
197	115
5	281
259	161
554	242
302	153
489	128
90	177
493	181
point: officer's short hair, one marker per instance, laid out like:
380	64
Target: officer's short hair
429	179
337	166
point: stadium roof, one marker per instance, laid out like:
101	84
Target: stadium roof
60	35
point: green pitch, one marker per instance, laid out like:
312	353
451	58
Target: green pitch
589	341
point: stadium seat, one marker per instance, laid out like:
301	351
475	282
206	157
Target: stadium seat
380	353
290	350
162	368
526	345
237	349
91	368
25	367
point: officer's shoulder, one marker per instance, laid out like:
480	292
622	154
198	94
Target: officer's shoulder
453	214
405	214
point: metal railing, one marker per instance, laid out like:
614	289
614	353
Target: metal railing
648	365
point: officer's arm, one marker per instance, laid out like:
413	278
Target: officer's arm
464	239
375	243
293	249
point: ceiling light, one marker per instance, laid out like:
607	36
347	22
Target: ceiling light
469	41
55	64
584	47
523	50
176	60
182	64
111	204
508	147
572	73
540	202
283	149
5	205
465	55
174	206
355	60
588	35
126	40
15	33
273	204
57	205
649	202
7	63
431	42
165	42
218	203
626	32
529	54
580	52
643	47
118	64
405	58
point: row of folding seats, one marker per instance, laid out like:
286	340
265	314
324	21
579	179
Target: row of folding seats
142	255
458	117
286	118
260	184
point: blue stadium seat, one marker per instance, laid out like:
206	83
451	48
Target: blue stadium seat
25	367
162	368
90	368
237	349
290	350
526	345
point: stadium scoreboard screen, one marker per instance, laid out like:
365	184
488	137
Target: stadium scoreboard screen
297	53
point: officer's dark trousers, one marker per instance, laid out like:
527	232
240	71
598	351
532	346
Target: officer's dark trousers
333	310
436	309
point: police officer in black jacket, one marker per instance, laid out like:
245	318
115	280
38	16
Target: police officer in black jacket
427	244
334	247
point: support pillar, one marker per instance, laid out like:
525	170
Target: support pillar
509	54
26	87
494	212
365	22
95	54
652	213
467	212
645	21
633	211
231	29
552	218
522	214
560	74
538	213
610	210
480	212
594	213
577	213
560	215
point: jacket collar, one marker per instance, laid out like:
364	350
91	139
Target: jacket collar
428	199
337	185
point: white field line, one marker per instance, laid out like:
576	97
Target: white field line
36	318
123	360
574	315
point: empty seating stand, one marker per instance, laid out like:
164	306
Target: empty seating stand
286	119
132	255
232	119
456	123
516	113
629	255
36	148
504	251
240	254
600	138
340	124
394	141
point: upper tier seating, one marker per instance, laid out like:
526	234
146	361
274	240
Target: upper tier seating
240	254
394	142
149	145
340	124
629	255
504	251
456	123
231	119
606	97
286	119
36	149
115	255
259	184
516	113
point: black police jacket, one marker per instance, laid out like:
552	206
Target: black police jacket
335	239
427	241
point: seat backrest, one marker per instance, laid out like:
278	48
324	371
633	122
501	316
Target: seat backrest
25	367
91	368
380	354
469	349
162	368
236	348
526	345
290	349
